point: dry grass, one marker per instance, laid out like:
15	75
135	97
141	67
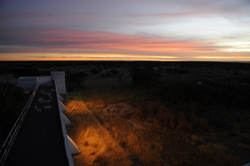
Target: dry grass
173	119
216	154
242	145
197	139
114	143
148	152
111	140
96	144
245	138
144	145
164	135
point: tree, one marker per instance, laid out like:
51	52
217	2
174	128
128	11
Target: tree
144	77
114	72
75	79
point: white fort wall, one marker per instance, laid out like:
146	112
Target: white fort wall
29	83
59	78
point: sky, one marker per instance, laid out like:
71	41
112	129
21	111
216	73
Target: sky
150	30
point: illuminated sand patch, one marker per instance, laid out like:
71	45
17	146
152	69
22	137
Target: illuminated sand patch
115	141
97	146
123	110
108	138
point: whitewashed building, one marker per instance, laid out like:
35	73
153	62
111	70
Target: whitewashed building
29	83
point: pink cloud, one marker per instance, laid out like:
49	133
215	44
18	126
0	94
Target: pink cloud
91	41
89	45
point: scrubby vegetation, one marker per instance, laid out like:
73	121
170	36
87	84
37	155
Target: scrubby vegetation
99	146
157	113
207	93
75	79
145	77
191	115
12	101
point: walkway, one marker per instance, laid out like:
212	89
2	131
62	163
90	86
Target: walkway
40	139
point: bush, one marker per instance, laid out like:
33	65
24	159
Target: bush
75	79
24	71
96	70
12	101
209	93
216	154
114	72
144	77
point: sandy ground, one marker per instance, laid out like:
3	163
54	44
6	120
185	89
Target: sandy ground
119	110
142	141
111	136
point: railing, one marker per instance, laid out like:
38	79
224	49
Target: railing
65	137
4	151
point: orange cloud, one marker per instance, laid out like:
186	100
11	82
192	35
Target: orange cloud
88	45
96	41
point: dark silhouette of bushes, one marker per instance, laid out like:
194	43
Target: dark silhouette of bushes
183	121
144	77
177	71
96	70
75	79
12	101
182	71
210	93
114	72
25	71
107	74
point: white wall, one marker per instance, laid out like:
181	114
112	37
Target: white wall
59	78
29	83
43	79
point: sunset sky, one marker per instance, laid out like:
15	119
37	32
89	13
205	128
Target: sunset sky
168	30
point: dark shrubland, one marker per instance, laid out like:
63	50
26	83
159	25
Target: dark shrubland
75	79
207	93
175	113
144	77
12	101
